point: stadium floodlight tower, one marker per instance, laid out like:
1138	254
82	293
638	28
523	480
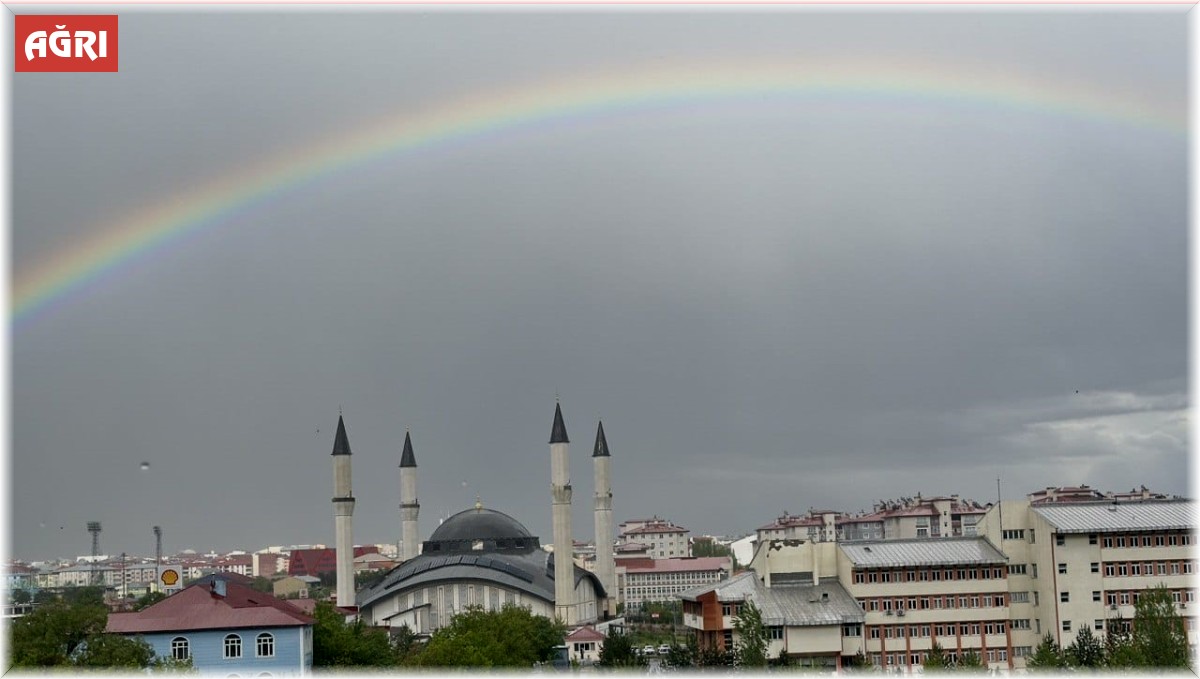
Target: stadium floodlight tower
94	529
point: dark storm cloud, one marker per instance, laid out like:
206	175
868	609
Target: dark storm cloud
771	304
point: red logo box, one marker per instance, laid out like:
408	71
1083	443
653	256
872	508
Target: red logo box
49	43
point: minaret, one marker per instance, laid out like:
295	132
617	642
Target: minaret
409	507
343	513
560	489
606	568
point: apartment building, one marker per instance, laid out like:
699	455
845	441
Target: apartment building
643	580
663	539
1077	563
905	518
917	592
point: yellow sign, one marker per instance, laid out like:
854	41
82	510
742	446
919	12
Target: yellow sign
169	576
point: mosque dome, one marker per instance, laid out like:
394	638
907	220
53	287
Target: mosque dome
480	529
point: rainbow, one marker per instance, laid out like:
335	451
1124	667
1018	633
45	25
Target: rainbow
630	90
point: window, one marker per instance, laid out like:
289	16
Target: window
1060	539
850	630
1107	542
1110	569
1014	534
1095	566
265	645
1066	625
1095	595
1062	569
233	646
1064	597
180	649
1020	597
1092	539
775	633
1017	569
1021	623
1098	624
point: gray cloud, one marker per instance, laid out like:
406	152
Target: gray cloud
771	303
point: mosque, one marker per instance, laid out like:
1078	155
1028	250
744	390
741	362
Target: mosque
479	556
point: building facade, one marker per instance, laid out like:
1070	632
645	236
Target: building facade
663	539
226	629
644	580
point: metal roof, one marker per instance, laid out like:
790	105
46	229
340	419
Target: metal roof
1109	517
921	552
827	603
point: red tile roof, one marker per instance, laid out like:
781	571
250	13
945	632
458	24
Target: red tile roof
693	563
197	608
586	633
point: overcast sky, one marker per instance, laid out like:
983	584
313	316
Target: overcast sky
773	303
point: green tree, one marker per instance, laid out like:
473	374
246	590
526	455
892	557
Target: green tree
705	546
263	584
714	657
21	596
1159	639
1047	657
148	599
618	651
969	662
682	655
337	643
114	651
1119	652
51	634
1086	651
936	661
510	637
752	636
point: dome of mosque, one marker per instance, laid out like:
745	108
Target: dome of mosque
480	529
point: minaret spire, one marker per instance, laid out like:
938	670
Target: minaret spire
558	432
560	490
343	513
410	507
606	568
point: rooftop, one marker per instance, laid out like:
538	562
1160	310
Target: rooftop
921	552
827	603
694	563
198	608
1111	517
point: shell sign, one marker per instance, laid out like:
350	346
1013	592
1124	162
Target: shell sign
169	578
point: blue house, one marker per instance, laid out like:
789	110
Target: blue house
227	630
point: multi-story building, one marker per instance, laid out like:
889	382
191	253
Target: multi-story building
809	615
225	628
663	539
914	593
643	580
910	517
1076	564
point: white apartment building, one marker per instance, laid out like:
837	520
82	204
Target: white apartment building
1035	568
663	539
1075	564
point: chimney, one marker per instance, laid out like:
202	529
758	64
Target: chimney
218	588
